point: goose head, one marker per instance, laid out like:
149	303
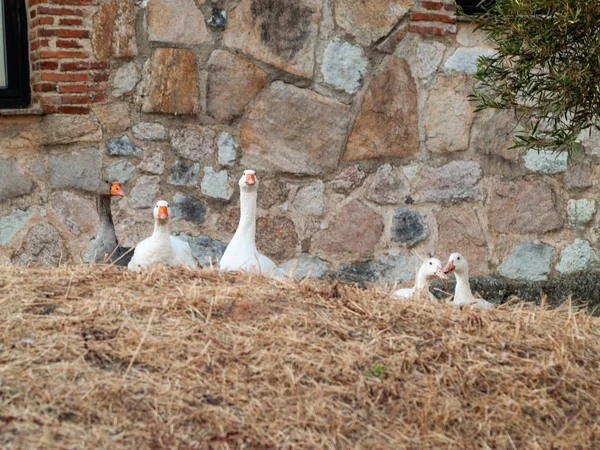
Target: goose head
110	188
457	263
248	182
433	268
161	212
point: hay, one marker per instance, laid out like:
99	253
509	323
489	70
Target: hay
105	359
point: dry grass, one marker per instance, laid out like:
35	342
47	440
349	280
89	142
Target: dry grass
104	359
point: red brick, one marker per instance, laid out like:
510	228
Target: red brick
431	4
73	88
100	76
65	33
74	2
71	43
74	109
32	13
65	76
84	65
34	45
76	100
426	29
450	7
44	87
432	17
100	98
58	11
32	3
47	65
99	87
69	21
42	21
49	109
32	35
50	100
62	54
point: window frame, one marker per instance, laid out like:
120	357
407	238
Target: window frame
18	92
471	7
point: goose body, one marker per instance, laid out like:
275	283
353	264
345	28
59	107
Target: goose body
462	293
430	268
241	253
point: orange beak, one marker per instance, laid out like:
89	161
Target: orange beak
440	273
449	267
250	179
162	212
115	189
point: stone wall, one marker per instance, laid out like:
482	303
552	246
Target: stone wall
354	115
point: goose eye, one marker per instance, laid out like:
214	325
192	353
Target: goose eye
430	263
458	258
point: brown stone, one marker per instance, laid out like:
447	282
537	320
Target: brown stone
348	179
492	133
578	176
391	42
78	214
276	237
459	231
272	192
229	219
169	84
448	114
294	130
353	233
369	20
114	117
523	207
114	30
232	83
282	33
176	21
386	125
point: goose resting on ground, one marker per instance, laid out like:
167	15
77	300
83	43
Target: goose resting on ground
161	247
241	253
462	293
430	268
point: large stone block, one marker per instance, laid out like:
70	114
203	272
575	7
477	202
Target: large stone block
206	250
114	117
177	22
143	194
282	33
43	246
492	133
545	161
349	178
193	143
186	207
577	256
77	213
310	200
294	130
217	184
528	262
276	237
183	173
114	30
465	59
386	125
125	80
13	181
344	66
408	226
12	223
581	211
385	269
458	180
387	187
79	170
305	266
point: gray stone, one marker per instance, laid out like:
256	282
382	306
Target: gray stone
310	200
227	149
578	176
37	167
186	207
154	163
79	170
216	184
193	143
11	224
545	161
576	256
429	57
386	187
408	227
184	173
122	146
206	250
349	178
305	266
457	180
43	247
125	79
465	59
122	171
143	194
492	133
13	181
385	269
79	214
528	262
150	131
590	139
344	66
581	211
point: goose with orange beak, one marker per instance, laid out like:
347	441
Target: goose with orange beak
430	268
241	253
161	248
462	292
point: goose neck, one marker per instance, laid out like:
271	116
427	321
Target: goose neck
421	281
463	288
106	229
247	225
161	228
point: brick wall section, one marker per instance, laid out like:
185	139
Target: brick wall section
66	77
437	17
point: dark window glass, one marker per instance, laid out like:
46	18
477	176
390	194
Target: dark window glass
14	55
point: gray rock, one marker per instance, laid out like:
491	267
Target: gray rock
193	143
37	167
79	214
122	171
216	184
122	146
43	247
125	79
79	170
344	66
576	256
386	187
578	176
385	269
305	266
186	207
150	131
143	194
429	57
545	161
310	200
349	178
13	181
227	149
590	139
581	211
457	180
154	163
528	262
11	224
408	227
465	59
184	173
204	249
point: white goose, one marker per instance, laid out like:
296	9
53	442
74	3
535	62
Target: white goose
161	247
462	293
241	253
430	268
